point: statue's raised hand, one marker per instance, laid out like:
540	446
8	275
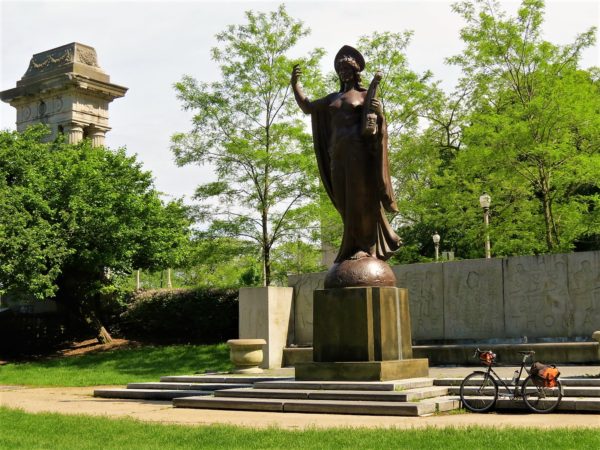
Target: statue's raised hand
296	74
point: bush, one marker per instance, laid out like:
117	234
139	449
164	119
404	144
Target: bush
196	316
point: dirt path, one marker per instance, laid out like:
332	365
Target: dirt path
80	401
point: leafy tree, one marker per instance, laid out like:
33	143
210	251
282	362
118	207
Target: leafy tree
74	217
31	243
533	132
246	126
222	262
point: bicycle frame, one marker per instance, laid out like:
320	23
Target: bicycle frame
516	391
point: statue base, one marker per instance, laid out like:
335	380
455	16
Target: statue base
363	370
363	272
362	334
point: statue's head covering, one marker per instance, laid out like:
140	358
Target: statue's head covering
346	53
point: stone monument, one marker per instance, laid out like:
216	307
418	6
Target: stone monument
66	89
361	321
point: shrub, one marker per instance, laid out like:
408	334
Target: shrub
197	316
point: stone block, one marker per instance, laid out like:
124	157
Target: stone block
584	292
473	304
425	284
537	302
247	404
363	370
362	408
304	287
294	355
361	324
265	313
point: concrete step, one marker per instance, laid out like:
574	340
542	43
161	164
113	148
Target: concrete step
350	395
444	403
148	394
571	404
309	406
568	391
186	386
395	385
589	382
221	378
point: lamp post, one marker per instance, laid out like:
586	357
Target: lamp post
485	200
436	242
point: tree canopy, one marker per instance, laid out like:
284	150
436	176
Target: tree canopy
247	128
522	125
72	216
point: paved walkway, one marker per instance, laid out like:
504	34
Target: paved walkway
81	401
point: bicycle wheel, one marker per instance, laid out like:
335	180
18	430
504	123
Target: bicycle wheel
539	398
478	392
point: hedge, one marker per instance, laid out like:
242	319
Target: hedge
195	316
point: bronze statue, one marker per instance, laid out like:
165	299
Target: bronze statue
350	140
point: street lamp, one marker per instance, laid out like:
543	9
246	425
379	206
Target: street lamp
436	243
485	200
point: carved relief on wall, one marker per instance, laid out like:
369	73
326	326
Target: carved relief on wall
425	286
24	113
537	299
57	104
473	303
87	56
44	61
584	289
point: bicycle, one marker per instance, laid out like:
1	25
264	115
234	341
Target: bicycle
479	390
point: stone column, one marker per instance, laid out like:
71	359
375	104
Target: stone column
74	133
97	136
265	313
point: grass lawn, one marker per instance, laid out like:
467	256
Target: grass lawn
19	430
119	366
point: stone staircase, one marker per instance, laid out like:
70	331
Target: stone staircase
410	397
171	387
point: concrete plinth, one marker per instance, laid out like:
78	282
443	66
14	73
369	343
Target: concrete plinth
361	324
362	334
265	313
363	370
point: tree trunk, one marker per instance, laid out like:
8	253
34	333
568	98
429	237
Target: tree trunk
267	265
548	220
266	250
92	320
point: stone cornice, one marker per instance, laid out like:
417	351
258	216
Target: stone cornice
62	82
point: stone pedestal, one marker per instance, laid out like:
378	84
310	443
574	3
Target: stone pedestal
265	313
362	334
66	89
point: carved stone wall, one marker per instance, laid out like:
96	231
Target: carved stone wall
545	297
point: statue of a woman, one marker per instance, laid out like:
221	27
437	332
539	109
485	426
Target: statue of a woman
354	169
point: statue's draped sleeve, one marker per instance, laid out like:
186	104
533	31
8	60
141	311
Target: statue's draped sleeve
321	129
384	180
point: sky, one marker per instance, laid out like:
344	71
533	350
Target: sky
147	46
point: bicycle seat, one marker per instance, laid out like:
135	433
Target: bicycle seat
529	352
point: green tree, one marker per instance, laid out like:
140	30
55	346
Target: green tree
74	217
246	126
533	133
31	243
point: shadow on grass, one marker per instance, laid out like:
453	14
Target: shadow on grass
119	366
